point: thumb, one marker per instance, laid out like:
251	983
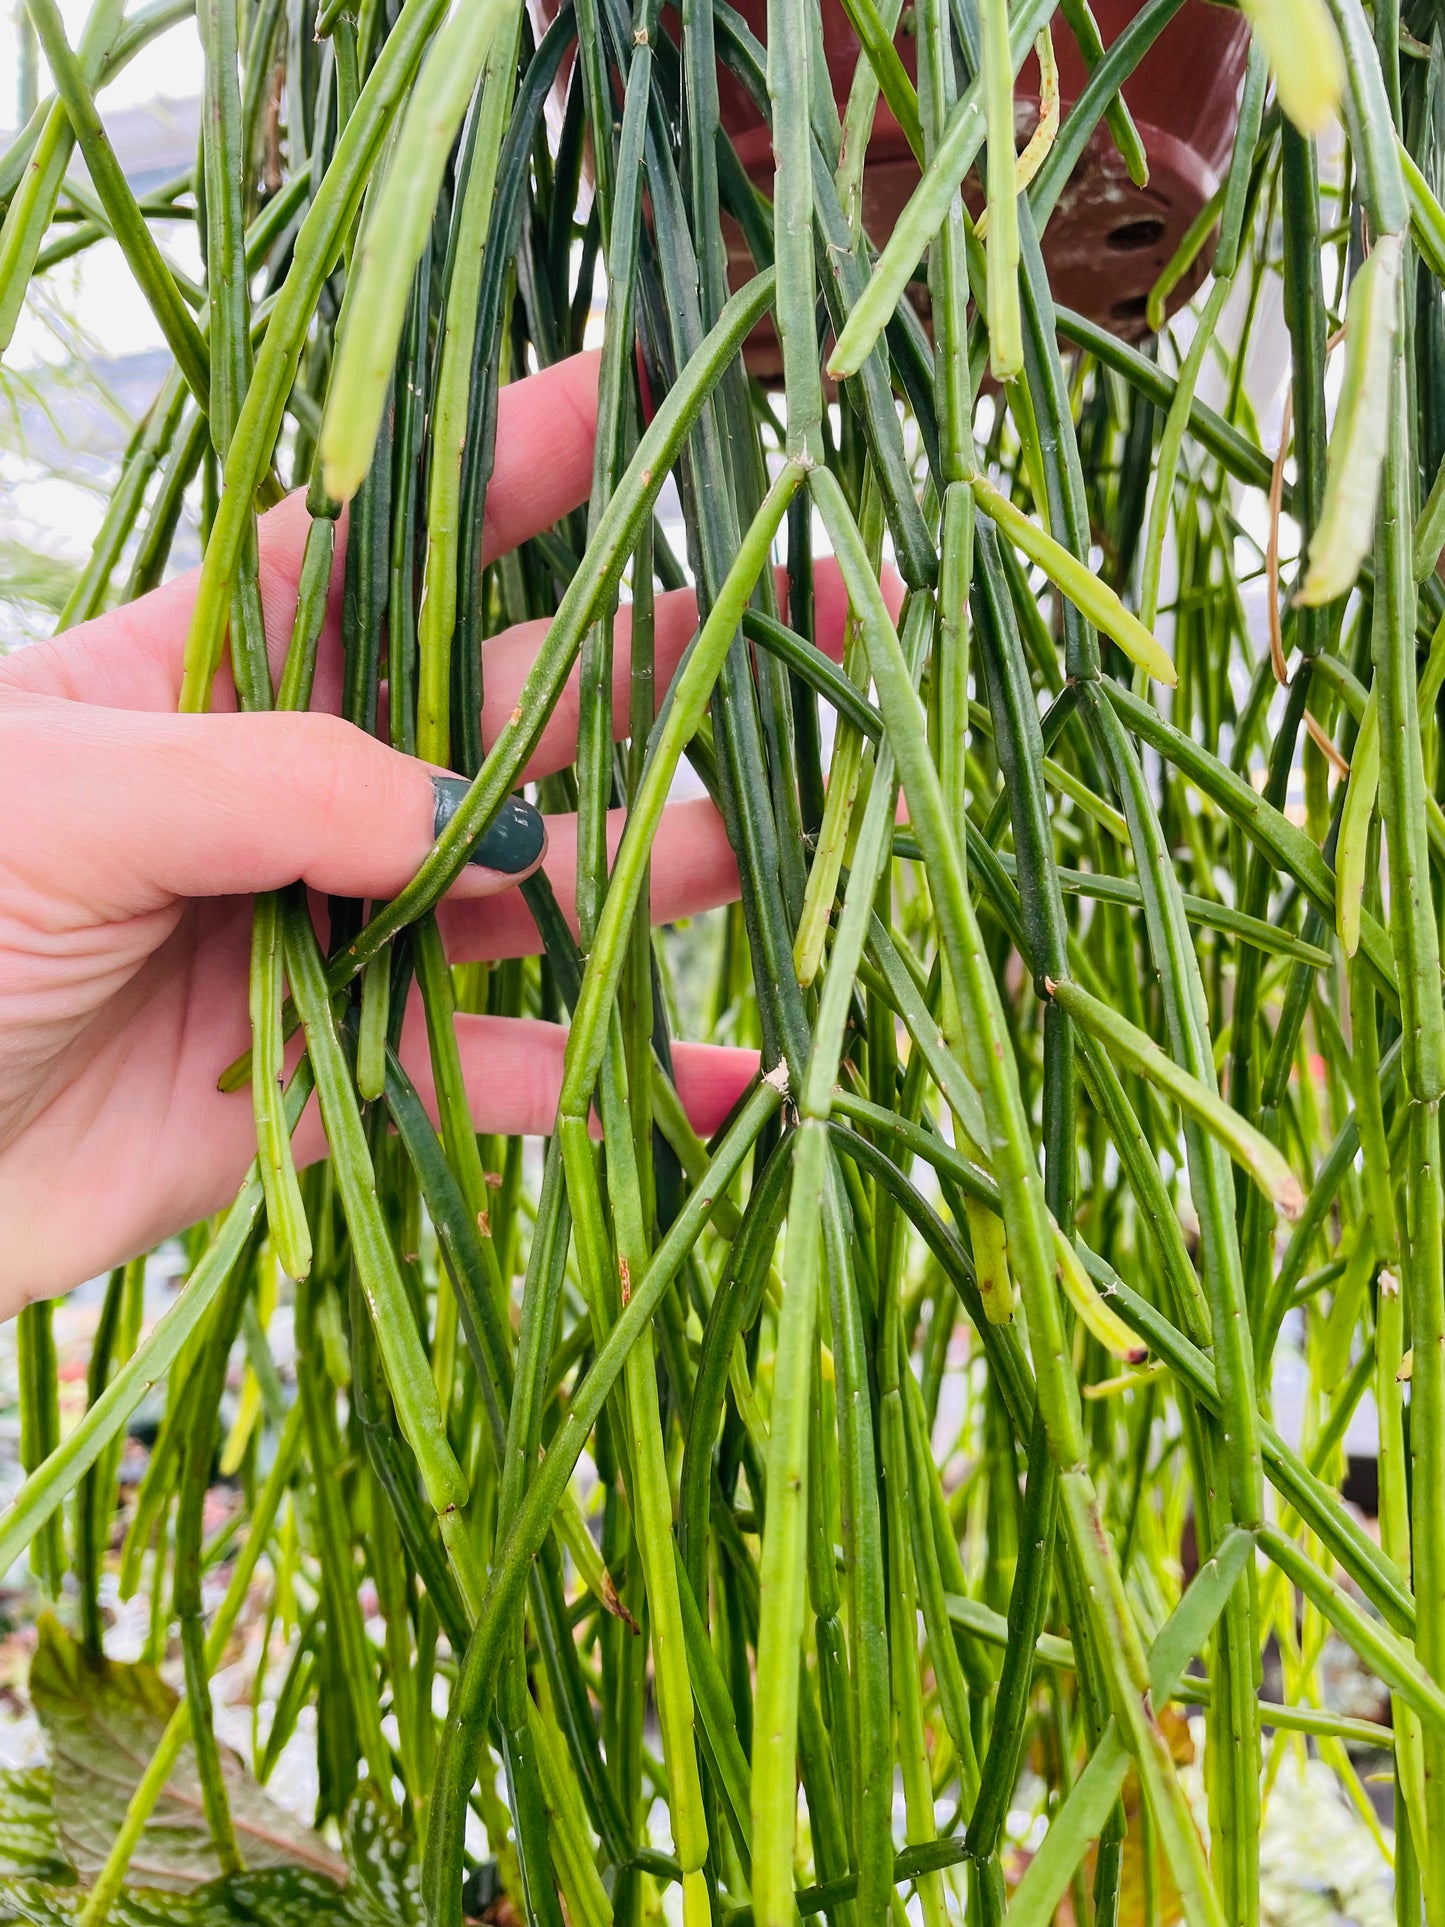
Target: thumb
132	809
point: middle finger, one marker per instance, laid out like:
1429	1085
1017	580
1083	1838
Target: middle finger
693	869
507	658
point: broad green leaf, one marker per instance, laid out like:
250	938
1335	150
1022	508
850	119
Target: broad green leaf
103	1721
385	1886
280	1898
30	1846
37	1881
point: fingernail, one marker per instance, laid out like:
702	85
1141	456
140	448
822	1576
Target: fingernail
515	839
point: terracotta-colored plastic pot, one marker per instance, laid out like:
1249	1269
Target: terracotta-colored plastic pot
1107	239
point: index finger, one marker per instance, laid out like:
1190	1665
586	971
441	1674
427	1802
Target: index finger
133	657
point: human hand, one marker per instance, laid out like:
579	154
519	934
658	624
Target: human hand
136	837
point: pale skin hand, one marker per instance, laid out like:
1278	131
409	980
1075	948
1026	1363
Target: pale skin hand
134	838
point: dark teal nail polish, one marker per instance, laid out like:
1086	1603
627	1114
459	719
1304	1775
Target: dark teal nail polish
515	839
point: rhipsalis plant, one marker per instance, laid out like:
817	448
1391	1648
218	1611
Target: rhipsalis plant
800	1477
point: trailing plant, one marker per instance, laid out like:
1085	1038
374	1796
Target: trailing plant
910	1442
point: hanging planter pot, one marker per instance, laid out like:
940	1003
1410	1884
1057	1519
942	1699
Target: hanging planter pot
1108	239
